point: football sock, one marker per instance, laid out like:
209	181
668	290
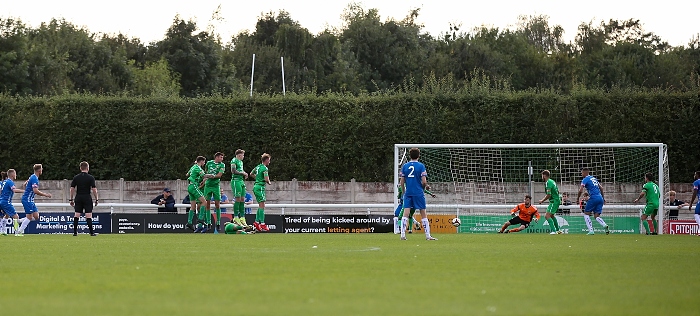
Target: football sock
587	218
75	225
202	214
551	224
410	223
89	223
601	221
190	216
237	208
260	215
646	226
556	223
15	223
241	212
25	223
404	222
426	226
3	222
697	220
218	216
396	225
656	225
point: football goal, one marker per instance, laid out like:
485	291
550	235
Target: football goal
481	183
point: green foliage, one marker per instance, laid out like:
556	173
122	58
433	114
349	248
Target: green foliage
367	54
155	80
194	55
330	136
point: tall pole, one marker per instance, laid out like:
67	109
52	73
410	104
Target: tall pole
662	203
284	89
252	71
530	187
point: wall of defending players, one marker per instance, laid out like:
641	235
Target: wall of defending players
134	223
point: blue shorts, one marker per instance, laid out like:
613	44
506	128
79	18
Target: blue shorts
697	208
416	202
595	205
29	207
8	209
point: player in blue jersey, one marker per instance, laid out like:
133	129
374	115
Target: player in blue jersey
8	191
3	175
30	191
413	181
595	201
696	194
3	217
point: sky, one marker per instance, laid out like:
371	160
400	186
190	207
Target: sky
673	20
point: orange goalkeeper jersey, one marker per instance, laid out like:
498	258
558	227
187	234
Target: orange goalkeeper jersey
526	213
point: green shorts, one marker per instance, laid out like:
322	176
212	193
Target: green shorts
210	192
553	207
259	192
650	209
194	192
238	188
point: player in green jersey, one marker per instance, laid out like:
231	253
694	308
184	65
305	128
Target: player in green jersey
651	191
238	188
233	228
550	188
398	213
260	173
212	190
196	176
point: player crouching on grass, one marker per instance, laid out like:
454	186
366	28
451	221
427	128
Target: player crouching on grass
526	213
235	228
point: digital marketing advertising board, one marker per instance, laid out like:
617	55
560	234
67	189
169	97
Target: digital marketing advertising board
62	223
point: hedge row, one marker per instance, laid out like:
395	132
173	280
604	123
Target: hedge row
326	137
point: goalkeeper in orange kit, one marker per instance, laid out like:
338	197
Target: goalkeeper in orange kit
523	214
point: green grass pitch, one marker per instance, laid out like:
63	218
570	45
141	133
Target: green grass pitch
350	274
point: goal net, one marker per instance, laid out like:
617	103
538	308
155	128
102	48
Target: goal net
481	183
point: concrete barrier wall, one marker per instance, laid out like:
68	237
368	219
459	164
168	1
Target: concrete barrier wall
120	191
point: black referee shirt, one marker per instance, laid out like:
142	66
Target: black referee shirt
83	182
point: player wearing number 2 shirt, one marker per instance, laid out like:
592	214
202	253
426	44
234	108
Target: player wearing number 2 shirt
414	180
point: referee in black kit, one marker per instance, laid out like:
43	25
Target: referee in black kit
80	197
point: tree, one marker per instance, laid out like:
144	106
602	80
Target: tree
195	56
155	79
14	66
387	53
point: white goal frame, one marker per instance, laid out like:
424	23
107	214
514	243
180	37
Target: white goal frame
662	158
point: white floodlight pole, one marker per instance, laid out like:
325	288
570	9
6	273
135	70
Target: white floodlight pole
252	71
284	89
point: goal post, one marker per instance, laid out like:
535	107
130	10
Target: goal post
480	183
